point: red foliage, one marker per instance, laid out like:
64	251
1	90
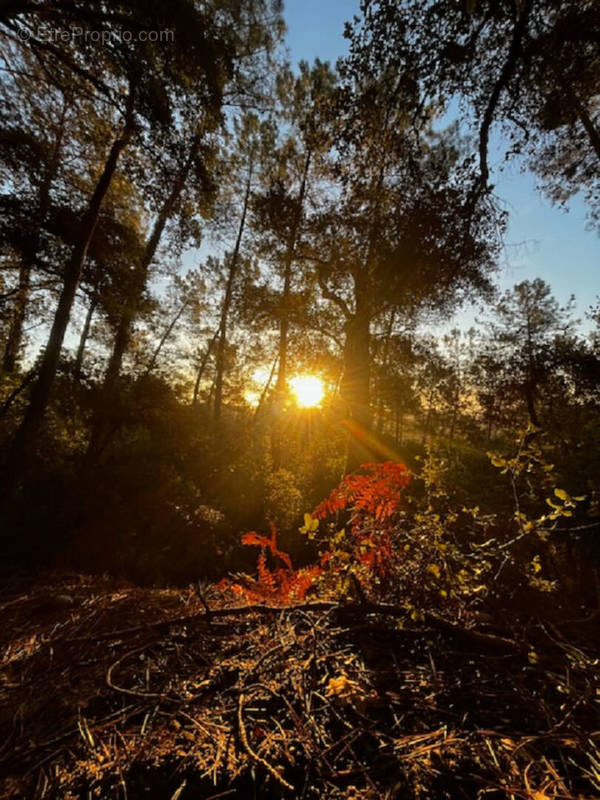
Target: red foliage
279	585
376	493
372	497
270	544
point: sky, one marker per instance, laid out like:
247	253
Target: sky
541	241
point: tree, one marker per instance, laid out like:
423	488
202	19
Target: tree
397	228
532	66
527	325
31	146
252	141
281	211
139	82
150	83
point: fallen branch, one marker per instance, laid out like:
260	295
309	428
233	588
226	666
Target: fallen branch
488	640
253	755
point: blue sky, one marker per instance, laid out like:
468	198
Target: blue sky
542	240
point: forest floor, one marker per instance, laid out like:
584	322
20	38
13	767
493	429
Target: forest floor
108	690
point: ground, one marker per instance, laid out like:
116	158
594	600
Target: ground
109	690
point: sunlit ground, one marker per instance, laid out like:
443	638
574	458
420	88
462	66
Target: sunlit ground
308	390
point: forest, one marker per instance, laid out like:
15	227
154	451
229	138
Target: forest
300	494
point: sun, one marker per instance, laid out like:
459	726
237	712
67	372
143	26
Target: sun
308	390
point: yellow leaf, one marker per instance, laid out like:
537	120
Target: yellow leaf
310	524
342	686
533	657
434	570
338	685
561	494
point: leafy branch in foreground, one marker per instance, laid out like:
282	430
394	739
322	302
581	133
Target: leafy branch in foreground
422	550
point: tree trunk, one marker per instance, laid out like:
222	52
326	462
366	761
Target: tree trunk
15	333
589	127
428	426
380	414
202	367
163	339
40	394
132	302
284	324
529	391
267	386
355	384
85	332
287	279
227	298
454	416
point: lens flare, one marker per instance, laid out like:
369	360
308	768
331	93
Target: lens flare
308	390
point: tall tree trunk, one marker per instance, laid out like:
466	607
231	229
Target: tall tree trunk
15	333
529	392
454	413
399	428
380	413
582	112
428	425
85	332
284	324
163	339
356	380
227	298
355	384
132	302
202	367
287	278
266	387
530	388
40	394
590	128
